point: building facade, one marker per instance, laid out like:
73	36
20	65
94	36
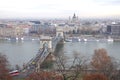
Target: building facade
113	29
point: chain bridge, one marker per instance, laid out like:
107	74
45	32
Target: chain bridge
47	46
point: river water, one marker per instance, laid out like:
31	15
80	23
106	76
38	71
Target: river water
21	52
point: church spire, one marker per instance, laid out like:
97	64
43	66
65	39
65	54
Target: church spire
74	16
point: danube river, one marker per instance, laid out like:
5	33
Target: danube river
19	53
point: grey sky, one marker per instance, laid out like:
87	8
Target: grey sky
58	8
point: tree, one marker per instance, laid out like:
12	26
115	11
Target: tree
17	67
95	77
47	64
4	71
100	59
44	75
103	63
70	69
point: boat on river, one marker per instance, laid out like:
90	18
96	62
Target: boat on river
25	38
68	40
77	39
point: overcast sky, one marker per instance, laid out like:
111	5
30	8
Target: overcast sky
58	8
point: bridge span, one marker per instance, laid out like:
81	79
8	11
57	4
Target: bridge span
47	46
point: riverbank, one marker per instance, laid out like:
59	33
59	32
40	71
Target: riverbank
25	38
116	40
97	38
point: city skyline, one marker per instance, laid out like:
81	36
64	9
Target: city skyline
59	8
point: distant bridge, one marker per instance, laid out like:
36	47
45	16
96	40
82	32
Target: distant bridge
47	46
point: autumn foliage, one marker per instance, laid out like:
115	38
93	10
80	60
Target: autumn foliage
100	59
4	72
104	64
44	75
95	77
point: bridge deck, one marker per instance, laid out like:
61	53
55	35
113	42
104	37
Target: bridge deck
41	55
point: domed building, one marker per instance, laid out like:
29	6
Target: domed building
74	18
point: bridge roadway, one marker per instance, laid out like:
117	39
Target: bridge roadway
36	61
